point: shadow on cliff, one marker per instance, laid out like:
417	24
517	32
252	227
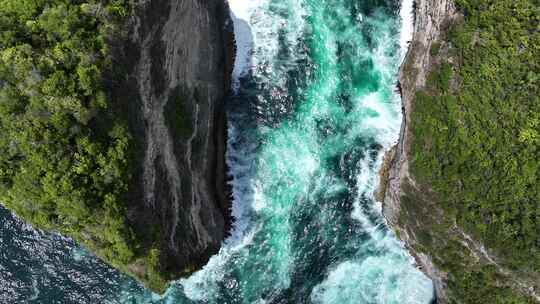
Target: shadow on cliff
243	48
242	129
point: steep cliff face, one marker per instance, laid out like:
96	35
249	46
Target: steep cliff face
178	80
430	19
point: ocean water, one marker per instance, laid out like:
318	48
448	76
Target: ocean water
314	107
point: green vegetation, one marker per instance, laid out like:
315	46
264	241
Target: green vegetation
435	48
476	144
65	152
176	116
153	275
469	280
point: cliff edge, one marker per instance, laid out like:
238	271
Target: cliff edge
430	19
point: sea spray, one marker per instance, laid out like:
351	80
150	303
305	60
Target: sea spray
313	111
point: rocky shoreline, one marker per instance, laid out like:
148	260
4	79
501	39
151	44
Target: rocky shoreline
430	18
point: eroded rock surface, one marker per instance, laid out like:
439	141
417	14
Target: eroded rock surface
431	17
180	61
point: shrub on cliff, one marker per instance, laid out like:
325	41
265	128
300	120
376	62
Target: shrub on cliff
64	153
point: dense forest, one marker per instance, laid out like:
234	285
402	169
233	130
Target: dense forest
65	148
476	145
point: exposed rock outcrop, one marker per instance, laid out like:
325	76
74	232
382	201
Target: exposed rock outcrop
430	19
179	53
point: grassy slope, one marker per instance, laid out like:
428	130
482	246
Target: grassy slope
475	153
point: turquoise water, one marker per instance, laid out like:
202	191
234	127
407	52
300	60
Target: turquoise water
313	111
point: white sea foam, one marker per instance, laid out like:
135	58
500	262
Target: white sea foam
406	14
385	277
383	271
241	11
202	285
386	125
257	38
240	161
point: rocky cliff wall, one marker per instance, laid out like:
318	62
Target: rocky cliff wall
431	17
179	60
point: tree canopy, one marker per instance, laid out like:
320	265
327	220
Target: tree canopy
64	155
476	132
